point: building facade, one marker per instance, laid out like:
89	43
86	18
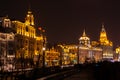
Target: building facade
106	45
28	45
68	54
52	57
88	53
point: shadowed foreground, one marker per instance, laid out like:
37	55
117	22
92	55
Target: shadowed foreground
84	74
100	71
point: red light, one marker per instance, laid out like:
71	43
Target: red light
39	28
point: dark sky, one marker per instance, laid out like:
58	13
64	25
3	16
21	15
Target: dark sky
65	20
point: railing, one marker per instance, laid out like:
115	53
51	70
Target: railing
59	75
37	73
14	74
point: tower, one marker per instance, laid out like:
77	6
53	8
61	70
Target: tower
84	40
86	52
103	37
106	45
29	20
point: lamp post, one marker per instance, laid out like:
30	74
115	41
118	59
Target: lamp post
78	53
43	57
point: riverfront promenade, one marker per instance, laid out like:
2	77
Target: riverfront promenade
85	74
99	71
90	71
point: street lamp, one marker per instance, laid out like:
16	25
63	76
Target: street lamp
78	54
43	56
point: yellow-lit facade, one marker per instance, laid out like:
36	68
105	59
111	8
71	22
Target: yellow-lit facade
52	57
90	54
84	40
106	45
87	52
25	37
29	20
68	54
103	38
28	44
117	54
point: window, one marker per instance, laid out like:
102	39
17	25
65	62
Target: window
27	28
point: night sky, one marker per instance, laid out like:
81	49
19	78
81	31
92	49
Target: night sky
65	20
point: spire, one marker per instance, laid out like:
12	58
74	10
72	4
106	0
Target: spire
84	40
103	28
29	7
7	16
103	36
84	34
29	20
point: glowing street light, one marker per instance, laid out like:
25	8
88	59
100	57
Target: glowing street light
44	56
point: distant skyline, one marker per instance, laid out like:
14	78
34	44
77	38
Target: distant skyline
65	20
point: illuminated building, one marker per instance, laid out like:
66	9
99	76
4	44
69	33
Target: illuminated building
7	47
68	54
117	54
27	44
39	51
41	42
5	22
29	20
25	38
52	57
95	44
88	53
106	45
84	40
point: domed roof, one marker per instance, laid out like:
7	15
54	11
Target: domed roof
84	37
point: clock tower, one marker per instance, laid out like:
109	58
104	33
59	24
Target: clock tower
29	20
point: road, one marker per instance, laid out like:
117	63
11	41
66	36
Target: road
95	71
99	71
84	74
